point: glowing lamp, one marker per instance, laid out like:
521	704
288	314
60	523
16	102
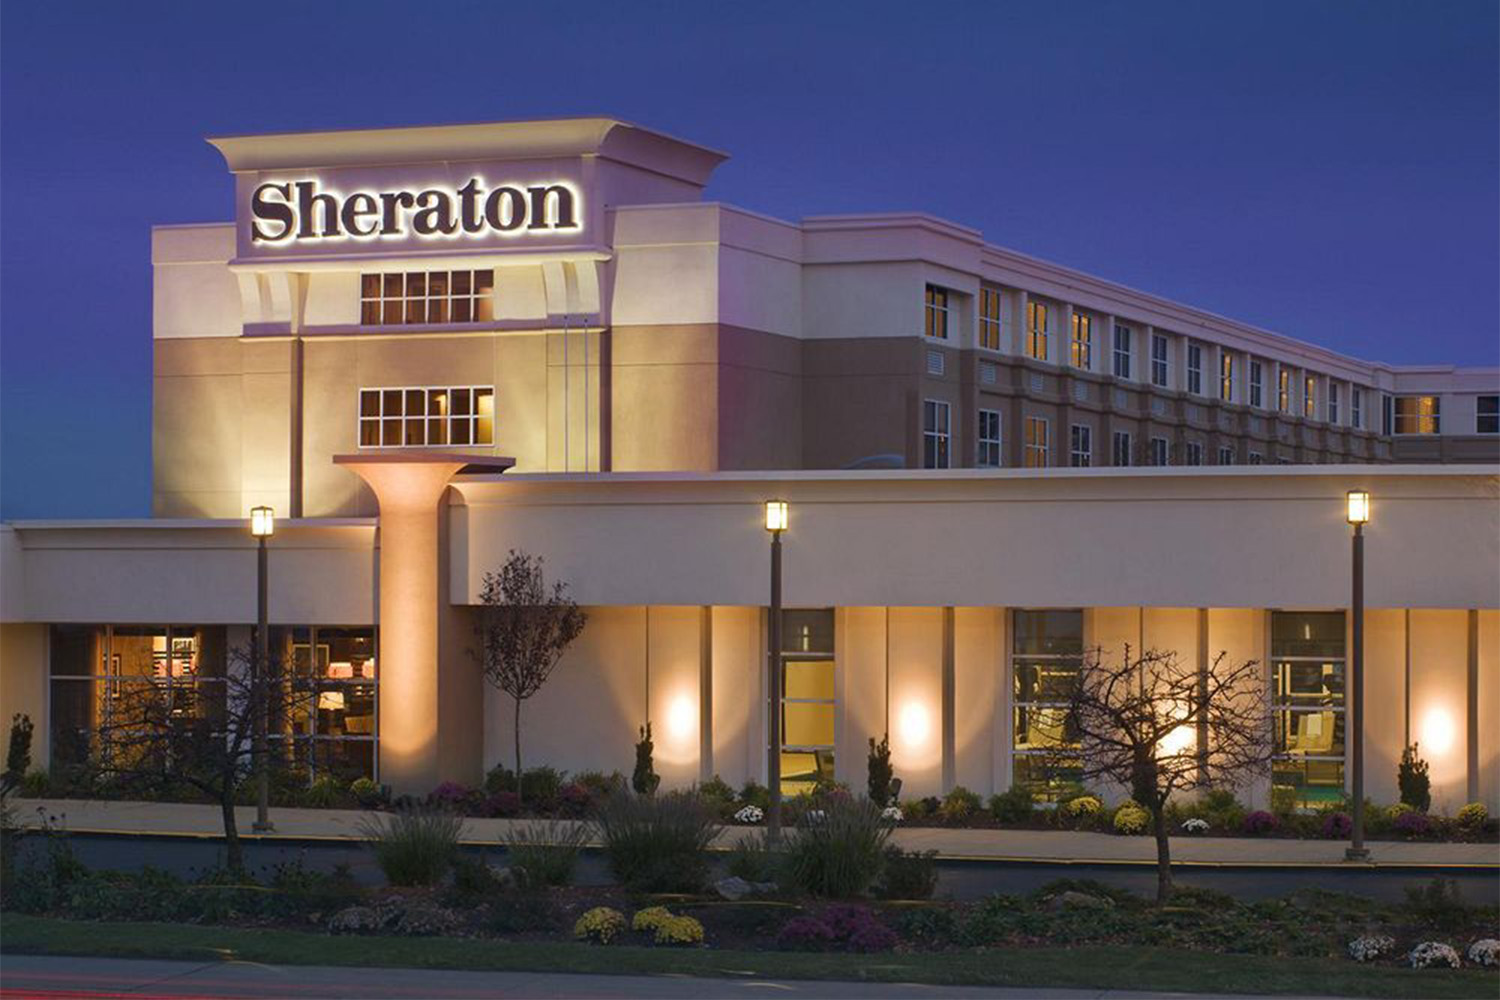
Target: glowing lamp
262	522
1359	507
776	515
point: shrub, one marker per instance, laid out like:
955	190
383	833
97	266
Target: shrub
855	928
1131	818
501	805
453	796
1369	947
547	851
679	930
1080	809
574	800
657	844
718	796
644	778
599	784
521	912
1485	952
474	881
807	933
837	854
366	792
1014	806
1473	816
913	809
1437	903
1433	953
959	804
600	925
1337	826
650	918
908	874
755	794
324	793
36	784
880	771
1412	824
754	861
1413	780
1260	823
414	847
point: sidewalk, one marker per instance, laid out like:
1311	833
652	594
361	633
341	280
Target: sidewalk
1038	846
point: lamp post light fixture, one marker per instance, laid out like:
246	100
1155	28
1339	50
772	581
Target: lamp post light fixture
776	523
1357	513
262	526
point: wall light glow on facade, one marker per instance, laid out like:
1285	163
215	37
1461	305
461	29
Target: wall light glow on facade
916	726
1437	733
682	718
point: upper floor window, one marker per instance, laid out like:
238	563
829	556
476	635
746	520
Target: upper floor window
1121	449
1418	415
1081	453
1038	447
937	313
1122	351
1083	341
427	297
1487	415
1284	390
1226	456
1195	369
1333	402
1256	458
1159	454
1036	330
1160	367
989	318
1309	396
1257	387
1387	415
1356	406
426	417
1226	376
987	450
1194	453
935	435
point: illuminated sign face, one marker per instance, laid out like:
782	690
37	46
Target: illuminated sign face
291	212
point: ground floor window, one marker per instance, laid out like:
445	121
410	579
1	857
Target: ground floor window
1307	704
333	732
1038	445
808	703
1046	662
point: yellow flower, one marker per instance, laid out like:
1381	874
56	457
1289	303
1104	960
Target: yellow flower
650	918
679	930
1131	817
601	925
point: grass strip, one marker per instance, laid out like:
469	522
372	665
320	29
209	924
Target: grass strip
1082	967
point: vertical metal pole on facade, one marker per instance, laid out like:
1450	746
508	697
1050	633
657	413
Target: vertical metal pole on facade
1357	850
260	702
773	640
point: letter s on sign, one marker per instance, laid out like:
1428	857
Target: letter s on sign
262	207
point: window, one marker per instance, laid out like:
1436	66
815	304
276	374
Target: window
1256	386
1310	396
1081	450
1387	415
1036	333
989	318
335	733
1284	390
1307	702
1193	453
1160	367
1159	454
1122	351
1195	369
426	297
935	437
808	702
1083	341
1356	406
426	417
1256	458
1487	415
1418	415
1120	449
1333	402
1037	447
1226	456
1046	663
937	312
987	453
1226	376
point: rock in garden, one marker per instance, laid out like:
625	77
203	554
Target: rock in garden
733	888
355	920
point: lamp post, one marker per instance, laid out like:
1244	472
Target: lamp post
1358	514
776	521
262	525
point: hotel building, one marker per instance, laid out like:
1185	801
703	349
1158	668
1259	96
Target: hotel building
424	347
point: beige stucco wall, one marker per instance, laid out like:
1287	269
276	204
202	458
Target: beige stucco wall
1385	701
1439	671
23	683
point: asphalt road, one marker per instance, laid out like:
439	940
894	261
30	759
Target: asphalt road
56	977
961	880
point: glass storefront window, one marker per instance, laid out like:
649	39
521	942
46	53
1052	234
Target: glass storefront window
334	731
807	699
1046	662
1307	697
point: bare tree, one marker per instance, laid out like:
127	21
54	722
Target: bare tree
523	628
202	735
1158	727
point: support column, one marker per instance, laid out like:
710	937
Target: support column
409	489
950	710
1471	728
705	693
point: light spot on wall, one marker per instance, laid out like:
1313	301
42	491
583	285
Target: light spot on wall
916	725
682	719
1437	732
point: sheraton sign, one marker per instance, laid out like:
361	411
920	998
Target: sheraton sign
295	211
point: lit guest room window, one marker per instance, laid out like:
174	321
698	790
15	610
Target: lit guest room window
426	417
426	297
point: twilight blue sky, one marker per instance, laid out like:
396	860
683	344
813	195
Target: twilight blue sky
1324	169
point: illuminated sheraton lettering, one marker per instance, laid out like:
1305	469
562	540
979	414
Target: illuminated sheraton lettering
285	211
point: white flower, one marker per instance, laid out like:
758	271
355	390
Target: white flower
1430	953
1370	947
891	813
749	814
816	815
1195	825
1485	951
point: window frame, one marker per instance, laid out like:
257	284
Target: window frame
989	445
991	324
1165	452
1031	450
937	441
1080	446
1161	361
1427	424
473	418
936	312
1487	421
1115	451
1037	336
1194	368
1122	354
1081	352
479	300
1257	384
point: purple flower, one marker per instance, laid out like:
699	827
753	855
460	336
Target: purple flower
501	804
452	795
1261	822
1413	824
805	934
1337	826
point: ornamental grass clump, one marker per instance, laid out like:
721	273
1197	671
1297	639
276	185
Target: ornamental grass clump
547	851
416	846
656	843
836	851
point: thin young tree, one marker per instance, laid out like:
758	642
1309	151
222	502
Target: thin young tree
523	627
201	735
1159	727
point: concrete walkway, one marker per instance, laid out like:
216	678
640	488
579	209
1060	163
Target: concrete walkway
1047	846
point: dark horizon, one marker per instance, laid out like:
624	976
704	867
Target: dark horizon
1329	171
